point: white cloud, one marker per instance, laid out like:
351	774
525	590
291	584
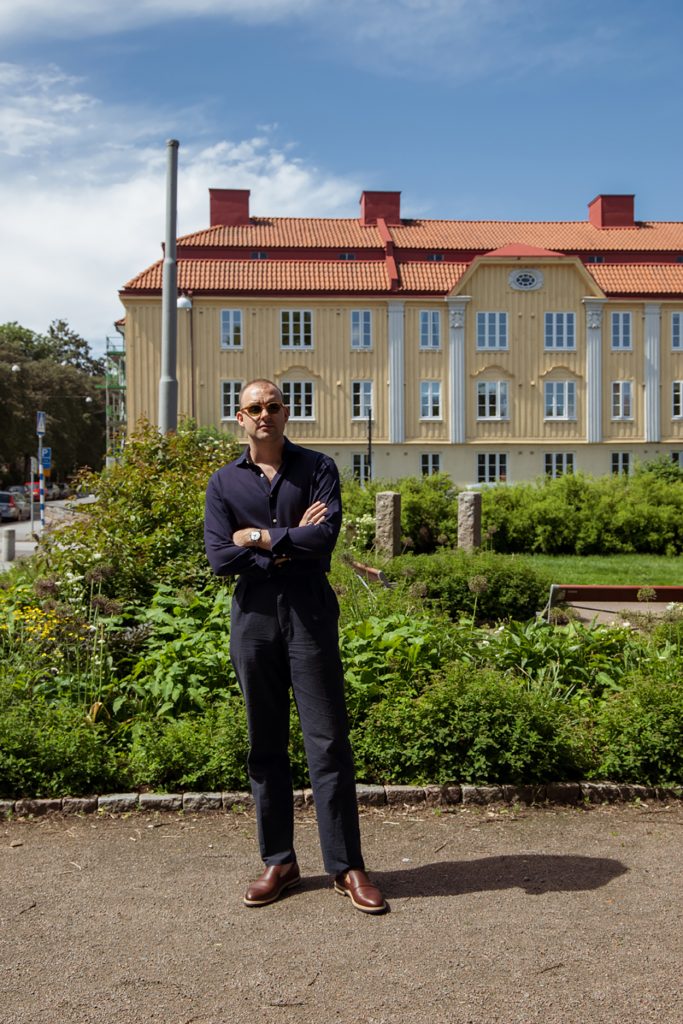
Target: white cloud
82	215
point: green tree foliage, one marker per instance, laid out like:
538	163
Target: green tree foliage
57	374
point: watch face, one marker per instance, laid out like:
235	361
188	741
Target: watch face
255	535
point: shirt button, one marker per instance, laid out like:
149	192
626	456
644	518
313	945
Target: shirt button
274	522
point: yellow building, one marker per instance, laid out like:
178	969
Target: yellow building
491	350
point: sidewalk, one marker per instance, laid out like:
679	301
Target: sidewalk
498	916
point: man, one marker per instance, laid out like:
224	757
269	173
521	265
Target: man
272	517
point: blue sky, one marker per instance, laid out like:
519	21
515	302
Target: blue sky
475	109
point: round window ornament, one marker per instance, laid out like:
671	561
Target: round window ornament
525	280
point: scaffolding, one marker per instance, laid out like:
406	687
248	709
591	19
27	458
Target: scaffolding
115	396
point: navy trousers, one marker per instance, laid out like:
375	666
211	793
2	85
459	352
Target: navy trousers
284	636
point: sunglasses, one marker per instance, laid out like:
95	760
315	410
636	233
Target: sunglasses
254	410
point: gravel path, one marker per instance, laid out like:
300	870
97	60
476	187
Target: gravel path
532	916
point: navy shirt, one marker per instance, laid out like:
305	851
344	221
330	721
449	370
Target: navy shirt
240	495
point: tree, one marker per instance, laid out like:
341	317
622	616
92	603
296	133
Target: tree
55	373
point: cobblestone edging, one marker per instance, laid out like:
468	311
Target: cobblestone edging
566	793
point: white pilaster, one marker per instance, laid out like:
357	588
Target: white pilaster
653	321
457	397
594	310
397	429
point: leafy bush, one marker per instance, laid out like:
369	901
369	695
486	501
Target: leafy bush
472	726
483	585
53	751
639	732
429	511
205	752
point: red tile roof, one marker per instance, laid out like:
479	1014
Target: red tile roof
255	276
638	278
483	236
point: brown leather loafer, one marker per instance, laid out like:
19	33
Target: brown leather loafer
363	894
269	886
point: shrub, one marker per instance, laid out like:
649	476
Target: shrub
472	726
639	732
489	586
429	511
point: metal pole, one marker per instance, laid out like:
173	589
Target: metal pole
41	482
369	443
168	382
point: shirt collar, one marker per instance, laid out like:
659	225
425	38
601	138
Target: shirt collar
288	450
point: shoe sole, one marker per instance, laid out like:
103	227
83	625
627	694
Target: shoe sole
275	897
364	910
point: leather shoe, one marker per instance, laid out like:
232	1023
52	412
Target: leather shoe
364	895
270	885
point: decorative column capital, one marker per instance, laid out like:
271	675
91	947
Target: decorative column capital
594	310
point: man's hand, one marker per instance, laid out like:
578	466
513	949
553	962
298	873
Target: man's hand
314	514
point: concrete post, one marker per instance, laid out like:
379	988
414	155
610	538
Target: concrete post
7	546
388	523
469	520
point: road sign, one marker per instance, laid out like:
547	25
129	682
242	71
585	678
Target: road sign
47	458
40	423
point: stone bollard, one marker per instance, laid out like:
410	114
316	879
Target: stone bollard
469	520
388	523
7	546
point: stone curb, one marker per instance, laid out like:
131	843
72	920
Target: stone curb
565	793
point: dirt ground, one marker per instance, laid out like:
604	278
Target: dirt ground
497	915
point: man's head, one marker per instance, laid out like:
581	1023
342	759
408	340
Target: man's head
262	411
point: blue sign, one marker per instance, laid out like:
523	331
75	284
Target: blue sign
40	423
47	458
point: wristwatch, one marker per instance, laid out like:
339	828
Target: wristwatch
255	536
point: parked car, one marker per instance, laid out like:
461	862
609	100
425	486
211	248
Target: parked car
52	492
36	489
9	510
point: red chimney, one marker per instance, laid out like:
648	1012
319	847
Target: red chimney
386	205
229	206
612	212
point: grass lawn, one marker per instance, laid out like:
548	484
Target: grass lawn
640	569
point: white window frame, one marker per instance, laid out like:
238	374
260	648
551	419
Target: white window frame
232	389
361	329
299	335
558	464
621	463
430	399
621	331
298	396
360	467
493	399
622	399
559	400
232	329
492	331
676	399
362	399
430	330
677	331
492	467
559	332
430	463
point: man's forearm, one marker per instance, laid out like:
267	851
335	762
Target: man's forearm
242	538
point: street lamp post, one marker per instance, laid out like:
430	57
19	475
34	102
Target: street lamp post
185	302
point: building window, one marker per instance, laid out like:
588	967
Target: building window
361	399
560	331
298	397
347	255
430	463
435	257
595	259
560	399
430	328
558	463
621	330
231	328
260	255
492	330
621	463
361	328
677	399
492	467
676	333
430	400
360	466
622	400
296	328
230	398
492	400
677	458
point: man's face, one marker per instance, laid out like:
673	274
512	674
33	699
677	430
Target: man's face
259	424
